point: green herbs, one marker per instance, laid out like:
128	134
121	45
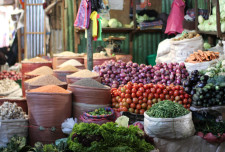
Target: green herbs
167	109
210	126
100	111
107	137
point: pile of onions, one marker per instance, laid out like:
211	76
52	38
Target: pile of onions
114	73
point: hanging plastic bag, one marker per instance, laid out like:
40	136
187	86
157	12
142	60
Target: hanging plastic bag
176	17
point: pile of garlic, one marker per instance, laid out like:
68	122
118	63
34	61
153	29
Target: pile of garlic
11	111
7	85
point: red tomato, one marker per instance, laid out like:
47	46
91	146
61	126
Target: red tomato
138	106
136	111
123	89
115	93
177	98
130	83
162	96
144	105
117	105
161	86
168	88
125	104
135	86
167	97
189	100
156	95
149	102
122	95
185	106
120	100
146	87
147	91
176	93
172	98
133	95
131	110
177	87
181	97
124	109
129	100
153	90
149	106
141	89
188	105
139	93
181	92
180	102
158	91
135	100
173	88
127	91
134	90
185	101
145	95
127	95
140	101
145	100
186	95
113	104
171	93
132	105
150	96
140	85
142	111
150	85
124	100
129	86
165	92
182	88
140	98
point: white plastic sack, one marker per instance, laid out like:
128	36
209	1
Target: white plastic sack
9	128
169	128
199	66
68	124
163	48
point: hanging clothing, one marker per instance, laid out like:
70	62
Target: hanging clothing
95	24
99	28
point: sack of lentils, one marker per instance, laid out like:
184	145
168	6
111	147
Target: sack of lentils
90	94
81	75
44	80
62	72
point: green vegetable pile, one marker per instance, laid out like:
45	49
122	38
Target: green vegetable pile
107	137
100	111
167	109
210	126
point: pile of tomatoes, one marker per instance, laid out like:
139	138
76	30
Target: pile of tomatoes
137	98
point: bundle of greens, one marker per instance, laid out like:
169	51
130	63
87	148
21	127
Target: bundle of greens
107	137
167	109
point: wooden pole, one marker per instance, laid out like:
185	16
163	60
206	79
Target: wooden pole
89	48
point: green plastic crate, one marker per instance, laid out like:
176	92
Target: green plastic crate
151	59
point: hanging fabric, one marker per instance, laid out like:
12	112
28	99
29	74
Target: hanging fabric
99	28
93	17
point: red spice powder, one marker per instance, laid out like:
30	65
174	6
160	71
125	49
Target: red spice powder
50	89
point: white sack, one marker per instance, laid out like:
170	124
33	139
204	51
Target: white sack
199	66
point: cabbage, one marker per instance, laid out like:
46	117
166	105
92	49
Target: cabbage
113	23
206	25
223	27
104	22
120	24
206	46
200	19
122	121
212	18
201	27
213	27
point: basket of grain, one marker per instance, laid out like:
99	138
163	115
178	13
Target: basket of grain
62	72
44	80
60	58
48	107
89	94
81	75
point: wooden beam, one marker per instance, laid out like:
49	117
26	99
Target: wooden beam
25	30
89	48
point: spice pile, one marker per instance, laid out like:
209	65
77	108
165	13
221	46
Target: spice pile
11	75
68	68
35	60
68	53
44	70
50	89
189	35
11	111
71	62
87	82
8	85
202	56
84	74
44	80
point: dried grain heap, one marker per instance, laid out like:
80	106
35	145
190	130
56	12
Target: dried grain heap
71	62
84	74
68	54
7	85
68	68
50	89
87	82
35	60
44	70
44	80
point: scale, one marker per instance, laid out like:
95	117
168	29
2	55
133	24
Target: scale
113	44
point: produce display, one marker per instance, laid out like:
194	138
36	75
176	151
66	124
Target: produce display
189	35
215	70
44	70
113	23
72	62
202	56
11	111
8	85
167	109
35	60
194	80
99	112
107	137
137	98
87	82
115	73
50	89
68	53
68	68
84	74
11	75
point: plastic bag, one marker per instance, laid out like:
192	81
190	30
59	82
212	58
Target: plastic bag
176	17
169	128
68	124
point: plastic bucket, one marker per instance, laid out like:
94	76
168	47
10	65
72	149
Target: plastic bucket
151	59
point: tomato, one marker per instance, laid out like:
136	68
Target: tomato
149	106
133	95
185	106
150	96
186	95
162	96
156	95
149	102
145	100
141	89
150	85
167	97
189	100
161	86
177	87
129	101
120	99
130	83
165	92
154	101
127	95
136	111
117	105
185	101
113	104
171	93
172	98
124	100
142	111
182	88
147	91
138	93
177	98
168	88
188	105
153	90
113	99
176	93
144	105
134	90
158	91
173	88
115	93
129	87
127	91
125	104
123	89
181	92
122	95
140	101
132	105
145	95
158	100
138	106
146	86
181	97
180	102
135	100
131	110
124	108
140	98
140	85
